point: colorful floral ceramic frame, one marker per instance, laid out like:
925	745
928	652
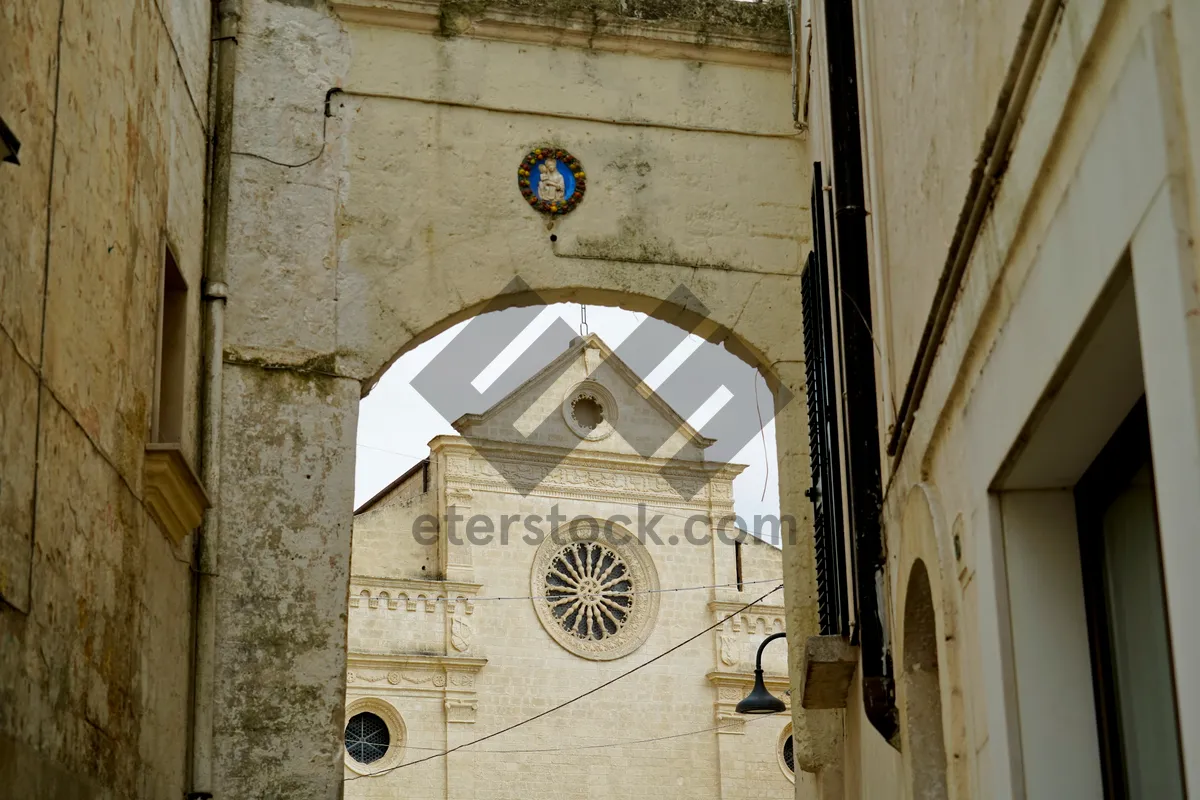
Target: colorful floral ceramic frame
552	180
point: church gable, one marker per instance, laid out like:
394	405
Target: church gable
587	399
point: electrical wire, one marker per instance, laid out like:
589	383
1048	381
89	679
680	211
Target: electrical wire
621	743
468	599
576	698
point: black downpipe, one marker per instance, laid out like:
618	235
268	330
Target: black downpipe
858	351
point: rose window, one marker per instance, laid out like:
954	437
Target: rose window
595	589
589	590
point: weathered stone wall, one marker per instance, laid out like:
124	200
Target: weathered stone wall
368	219
109	103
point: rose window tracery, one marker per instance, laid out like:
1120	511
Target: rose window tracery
595	589
589	590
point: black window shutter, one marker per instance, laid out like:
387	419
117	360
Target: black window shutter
826	491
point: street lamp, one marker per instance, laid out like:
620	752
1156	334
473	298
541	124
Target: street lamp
760	701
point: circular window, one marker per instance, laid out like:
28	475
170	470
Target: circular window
587	412
787	753
595	590
374	735
590	411
589	591
367	738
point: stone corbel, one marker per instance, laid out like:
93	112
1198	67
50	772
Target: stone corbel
173	494
828	669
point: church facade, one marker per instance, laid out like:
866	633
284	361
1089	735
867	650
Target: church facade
507	574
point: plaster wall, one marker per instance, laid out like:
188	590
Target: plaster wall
1014	402
921	175
364	225
109	103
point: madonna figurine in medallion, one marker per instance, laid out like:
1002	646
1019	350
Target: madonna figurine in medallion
551	180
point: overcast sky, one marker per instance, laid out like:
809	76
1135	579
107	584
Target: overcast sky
396	424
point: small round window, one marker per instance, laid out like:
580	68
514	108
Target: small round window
367	738
787	752
587	412
590	411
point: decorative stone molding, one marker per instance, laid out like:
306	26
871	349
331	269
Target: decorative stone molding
761	619
461	710
739	636
410	594
731	687
460	635
583	475
604	400
455	558
397	732
173	494
586	584
693	41
453	678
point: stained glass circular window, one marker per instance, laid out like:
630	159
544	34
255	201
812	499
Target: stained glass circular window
789	755
367	738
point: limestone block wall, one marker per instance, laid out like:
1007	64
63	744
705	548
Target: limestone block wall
516	669
109	102
384	545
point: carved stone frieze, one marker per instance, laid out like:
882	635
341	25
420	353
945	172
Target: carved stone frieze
452	678
634	480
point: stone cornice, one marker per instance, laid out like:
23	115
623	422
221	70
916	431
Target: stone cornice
585	475
401	661
414	592
625	462
693	41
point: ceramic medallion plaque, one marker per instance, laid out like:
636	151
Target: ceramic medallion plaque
552	180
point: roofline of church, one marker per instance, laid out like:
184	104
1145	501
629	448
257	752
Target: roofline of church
385	491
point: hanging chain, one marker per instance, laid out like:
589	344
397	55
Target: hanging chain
583	326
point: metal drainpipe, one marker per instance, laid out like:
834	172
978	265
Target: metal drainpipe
791	15
216	237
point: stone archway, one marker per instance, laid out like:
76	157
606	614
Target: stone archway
409	220
924	740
